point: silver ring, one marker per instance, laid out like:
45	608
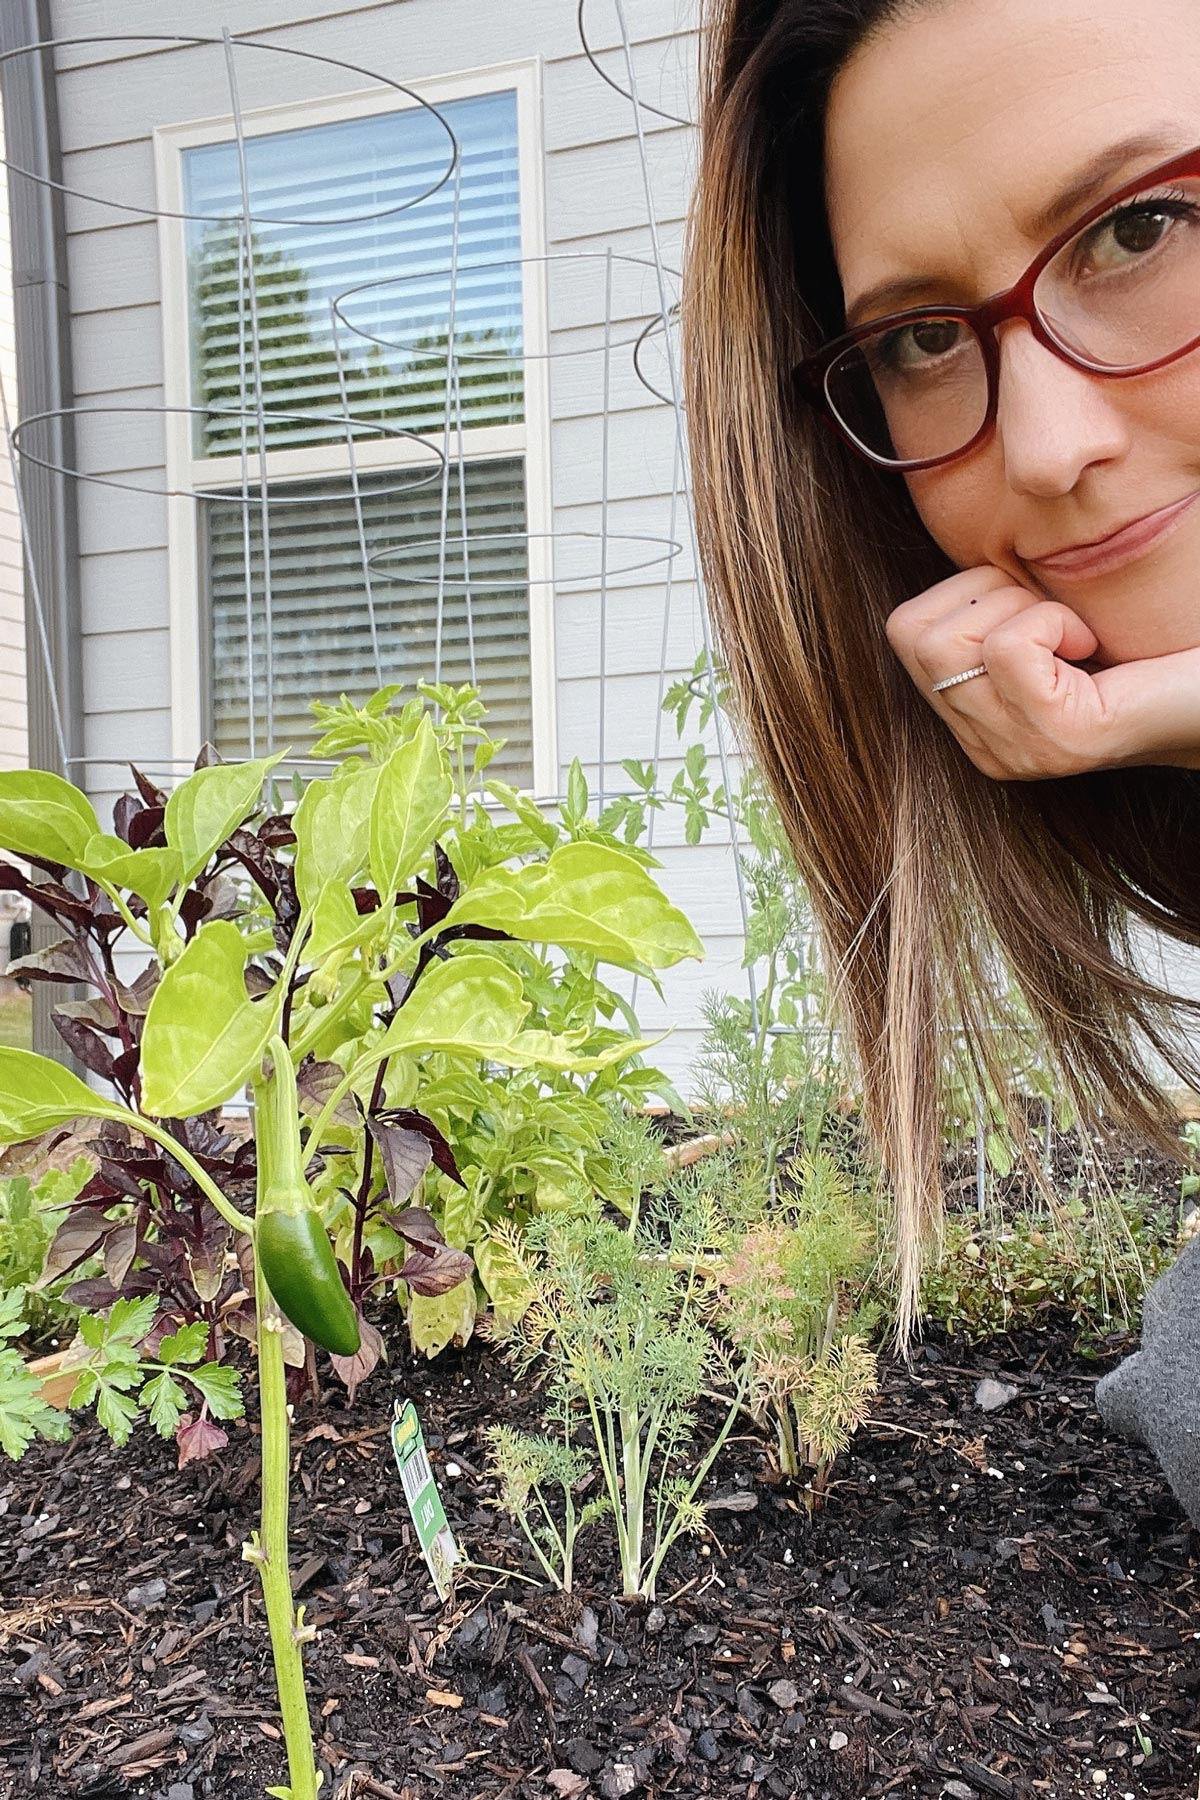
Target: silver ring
953	680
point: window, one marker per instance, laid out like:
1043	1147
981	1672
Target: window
451	549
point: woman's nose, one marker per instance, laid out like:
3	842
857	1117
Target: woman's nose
1052	419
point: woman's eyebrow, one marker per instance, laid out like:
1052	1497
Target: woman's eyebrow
1086	185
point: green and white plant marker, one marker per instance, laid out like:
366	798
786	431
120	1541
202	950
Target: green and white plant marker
424	1502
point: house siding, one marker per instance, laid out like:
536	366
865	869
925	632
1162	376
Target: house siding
14	737
111	98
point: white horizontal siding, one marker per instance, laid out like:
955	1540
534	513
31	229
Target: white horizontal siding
14	724
595	199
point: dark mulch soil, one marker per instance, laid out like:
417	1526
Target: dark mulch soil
989	1604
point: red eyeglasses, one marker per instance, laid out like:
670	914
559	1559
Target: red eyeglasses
1117	293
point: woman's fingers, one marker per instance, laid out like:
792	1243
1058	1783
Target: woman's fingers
1154	709
942	632
1025	653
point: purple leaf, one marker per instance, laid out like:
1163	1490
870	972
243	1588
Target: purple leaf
136	998
197	1439
96	1012
411	1120
405	1155
120	1248
417	1226
432	906
60	961
447	880
315	1081
256	860
354	1370
77	1238
277	832
205	1254
153	796
86	1043
436	1274
95	1294
398	987
146	830
125	811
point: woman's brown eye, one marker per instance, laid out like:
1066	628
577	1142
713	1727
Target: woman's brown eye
1140	232
936	336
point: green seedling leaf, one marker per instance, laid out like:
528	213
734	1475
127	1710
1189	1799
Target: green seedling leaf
333	833
219	1387
187	1345
37	1094
115	1411
411	800
127	1322
585	896
209	805
203	1033
150	873
42	815
24	1415
164	1400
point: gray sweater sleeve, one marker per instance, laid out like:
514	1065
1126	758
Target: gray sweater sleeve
1153	1397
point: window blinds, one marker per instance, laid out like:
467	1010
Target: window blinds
340	178
321	630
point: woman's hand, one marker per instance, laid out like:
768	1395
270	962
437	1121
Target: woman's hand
1035	714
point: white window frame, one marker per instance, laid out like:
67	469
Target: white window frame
185	473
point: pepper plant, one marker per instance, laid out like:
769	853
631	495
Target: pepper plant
353	960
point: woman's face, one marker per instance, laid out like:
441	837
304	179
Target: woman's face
945	138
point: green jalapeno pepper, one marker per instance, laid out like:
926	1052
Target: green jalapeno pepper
290	1240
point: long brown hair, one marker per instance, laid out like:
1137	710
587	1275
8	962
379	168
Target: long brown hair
933	886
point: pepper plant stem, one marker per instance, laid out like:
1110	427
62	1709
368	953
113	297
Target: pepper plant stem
271	1553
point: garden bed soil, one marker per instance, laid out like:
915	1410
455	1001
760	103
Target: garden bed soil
998	1604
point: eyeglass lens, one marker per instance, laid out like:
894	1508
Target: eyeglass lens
1124	292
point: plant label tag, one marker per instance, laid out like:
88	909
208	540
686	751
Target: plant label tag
424	1501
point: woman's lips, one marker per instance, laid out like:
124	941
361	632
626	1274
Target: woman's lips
1122	548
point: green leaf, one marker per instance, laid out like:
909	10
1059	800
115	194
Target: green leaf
209	805
471	1003
221	1389
203	1033
187	1345
37	1094
24	1415
577	794
12	1313
434	1319
44	816
411	799
585	896
509	1288
128	1321
333	832
165	1400
337	924
116	1413
150	873
544	830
